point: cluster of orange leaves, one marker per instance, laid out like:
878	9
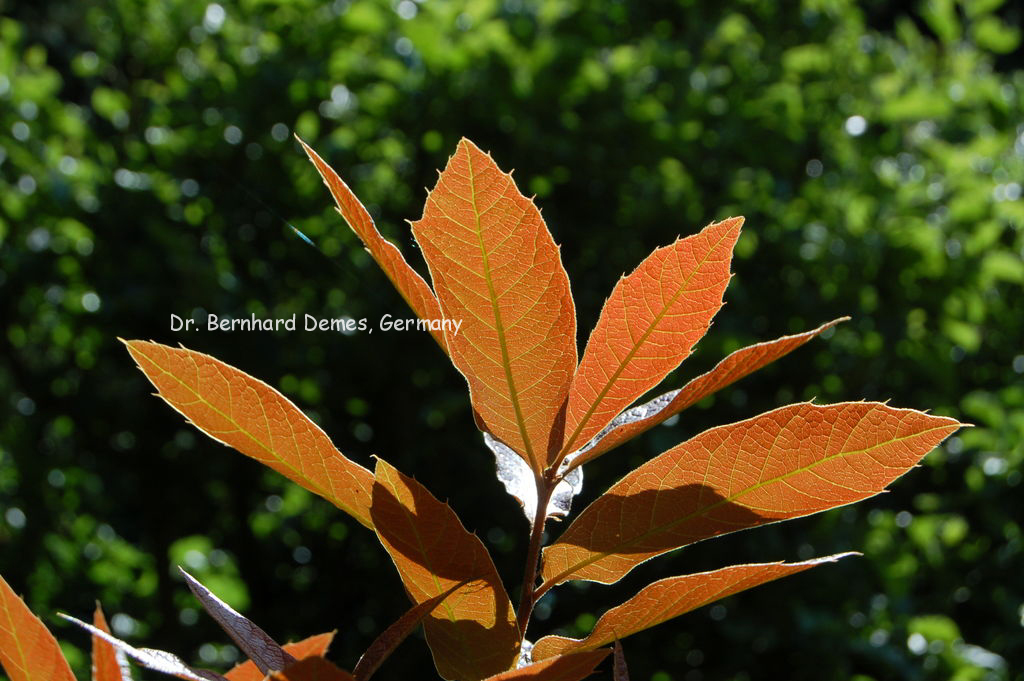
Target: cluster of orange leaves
494	265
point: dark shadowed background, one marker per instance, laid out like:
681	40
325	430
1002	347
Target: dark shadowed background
876	149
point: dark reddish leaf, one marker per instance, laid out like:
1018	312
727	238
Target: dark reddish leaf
314	646
265	653
621	672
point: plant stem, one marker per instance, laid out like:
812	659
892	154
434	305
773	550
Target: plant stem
527	599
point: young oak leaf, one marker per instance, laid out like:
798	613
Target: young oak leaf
157	660
669	598
265	653
311	669
28	651
472	633
558	668
406	280
787	463
620	670
389	639
314	646
245	413
649	325
495	266
108	663
739	364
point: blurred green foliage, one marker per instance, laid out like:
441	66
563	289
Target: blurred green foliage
877	151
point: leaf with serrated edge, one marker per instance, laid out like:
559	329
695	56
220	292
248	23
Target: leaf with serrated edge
745	361
243	412
389	639
311	669
157	660
621	672
108	663
314	646
496	268
28	651
672	597
406	280
473	632
253	641
649	325
787	463
559	668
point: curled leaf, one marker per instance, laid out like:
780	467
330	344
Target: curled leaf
521	482
243	412
787	463
672	597
28	651
265	653
157	660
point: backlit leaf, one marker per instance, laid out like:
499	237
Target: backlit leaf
559	668
314	646
743	362
649	325
389	639
409	283
787	463
28	651
245	413
311	669
672	597
157	660
472	633
108	663
495	266
265	653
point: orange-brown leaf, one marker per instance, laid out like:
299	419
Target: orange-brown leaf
649	325
787	463
311	669
741	363
496	268
28	651
107	665
559	668
669	598
409	283
245	413
314	646
472	633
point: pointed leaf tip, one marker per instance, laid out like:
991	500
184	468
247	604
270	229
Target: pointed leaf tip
245	413
108	663
28	651
787	463
265	653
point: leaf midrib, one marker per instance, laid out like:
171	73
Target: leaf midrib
17	639
557	579
636	348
